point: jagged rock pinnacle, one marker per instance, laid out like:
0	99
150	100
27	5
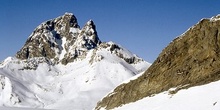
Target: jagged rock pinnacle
60	40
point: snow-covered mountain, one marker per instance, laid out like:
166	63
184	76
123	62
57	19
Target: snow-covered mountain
185	76
62	66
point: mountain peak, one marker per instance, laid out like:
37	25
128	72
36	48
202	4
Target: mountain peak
64	67
90	22
89	34
71	19
60	39
67	13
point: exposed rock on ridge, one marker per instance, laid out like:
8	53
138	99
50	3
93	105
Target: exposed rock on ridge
60	40
189	60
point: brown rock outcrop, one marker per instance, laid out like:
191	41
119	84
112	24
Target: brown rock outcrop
189	60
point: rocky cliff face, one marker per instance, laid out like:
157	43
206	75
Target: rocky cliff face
60	40
189	60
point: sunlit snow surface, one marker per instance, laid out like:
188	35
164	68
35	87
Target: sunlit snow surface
205	97
78	85
13	108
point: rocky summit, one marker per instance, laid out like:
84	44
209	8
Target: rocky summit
192	59
60	40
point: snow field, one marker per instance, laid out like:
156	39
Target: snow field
79	85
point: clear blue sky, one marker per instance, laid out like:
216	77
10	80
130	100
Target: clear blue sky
144	27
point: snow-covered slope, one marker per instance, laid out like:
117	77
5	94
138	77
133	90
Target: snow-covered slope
77	85
19	108
64	67
205	97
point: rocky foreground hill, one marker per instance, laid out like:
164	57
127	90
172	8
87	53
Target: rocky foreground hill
190	60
